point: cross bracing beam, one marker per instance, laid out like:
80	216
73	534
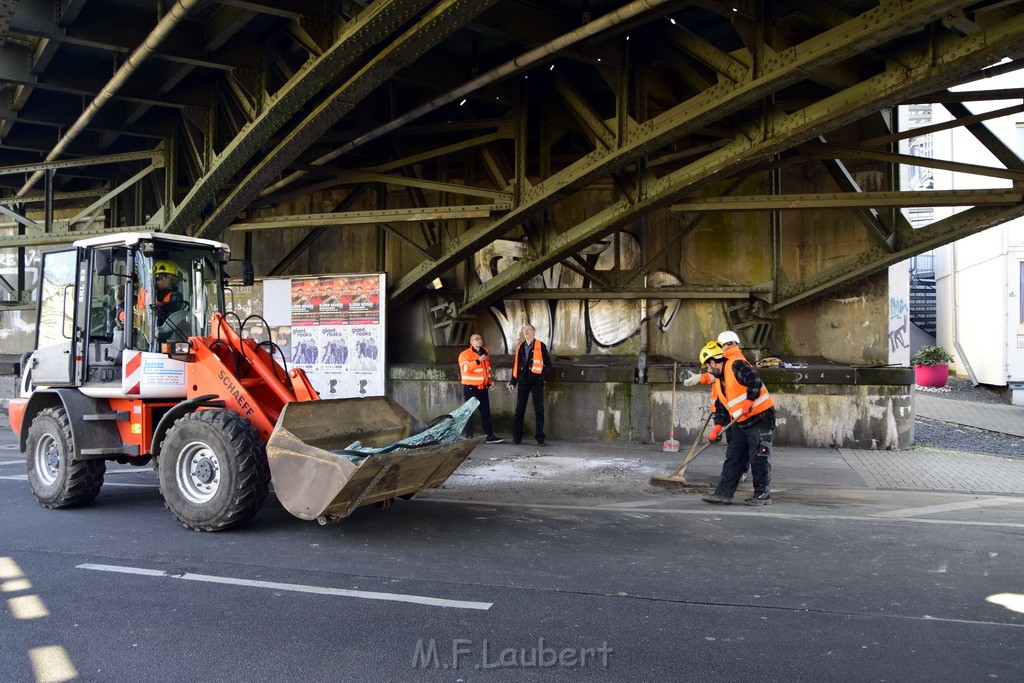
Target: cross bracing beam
436	24
358	36
370	217
846	200
951	57
691	292
788	67
630	115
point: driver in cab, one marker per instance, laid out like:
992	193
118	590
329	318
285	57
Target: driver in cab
168	299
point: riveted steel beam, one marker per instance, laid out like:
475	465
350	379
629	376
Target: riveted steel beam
435	25
51	239
359	36
370	217
403	181
870	29
505	134
831	151
844	200
958	122
690	292
1006	156
155	156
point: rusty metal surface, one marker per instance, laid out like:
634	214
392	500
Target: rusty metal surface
311	481
530	104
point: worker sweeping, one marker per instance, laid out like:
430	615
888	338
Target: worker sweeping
739	394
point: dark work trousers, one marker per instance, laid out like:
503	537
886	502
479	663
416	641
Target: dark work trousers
469	392
751	445
525	388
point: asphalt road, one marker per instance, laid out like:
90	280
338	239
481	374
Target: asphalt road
438	589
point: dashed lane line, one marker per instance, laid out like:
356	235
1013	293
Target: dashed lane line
294	587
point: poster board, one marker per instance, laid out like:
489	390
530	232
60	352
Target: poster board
331	326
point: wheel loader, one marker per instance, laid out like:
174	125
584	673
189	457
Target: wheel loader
136	362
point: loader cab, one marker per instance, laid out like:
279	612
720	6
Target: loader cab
175	289
112	294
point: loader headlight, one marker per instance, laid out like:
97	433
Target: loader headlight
177	348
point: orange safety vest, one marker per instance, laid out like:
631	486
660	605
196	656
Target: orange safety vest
736	394
536	365
473	373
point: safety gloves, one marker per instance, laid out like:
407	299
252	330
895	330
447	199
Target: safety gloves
716	433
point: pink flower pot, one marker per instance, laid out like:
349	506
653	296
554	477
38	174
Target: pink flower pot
931	375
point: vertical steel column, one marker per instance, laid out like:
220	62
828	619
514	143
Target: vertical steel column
48	200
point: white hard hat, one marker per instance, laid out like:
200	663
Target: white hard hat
728	336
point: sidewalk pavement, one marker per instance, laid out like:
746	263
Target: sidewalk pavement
806	475
1005	419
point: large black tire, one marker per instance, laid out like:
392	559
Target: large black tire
213	470
56	478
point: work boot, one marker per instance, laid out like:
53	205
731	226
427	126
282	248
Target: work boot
541	443
763	498
718	499
491	438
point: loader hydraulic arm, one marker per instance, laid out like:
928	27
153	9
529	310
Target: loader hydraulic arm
245	375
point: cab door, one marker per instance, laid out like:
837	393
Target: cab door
54	362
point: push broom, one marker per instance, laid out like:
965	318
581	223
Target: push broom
677	478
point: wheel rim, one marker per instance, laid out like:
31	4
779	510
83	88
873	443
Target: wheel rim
47	459
198	472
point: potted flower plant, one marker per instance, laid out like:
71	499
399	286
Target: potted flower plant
931	366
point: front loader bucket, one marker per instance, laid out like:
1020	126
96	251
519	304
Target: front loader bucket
314	476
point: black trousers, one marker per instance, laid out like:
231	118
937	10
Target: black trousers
469	392
524	390
751	445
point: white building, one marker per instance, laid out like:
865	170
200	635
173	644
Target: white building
979	279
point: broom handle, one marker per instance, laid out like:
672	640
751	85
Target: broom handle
700	450
672	429
689	455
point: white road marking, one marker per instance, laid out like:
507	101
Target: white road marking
24	477
13	462
724	511
296	588
949	507
636	504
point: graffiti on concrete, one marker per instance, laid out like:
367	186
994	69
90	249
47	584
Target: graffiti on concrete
899	324
573	325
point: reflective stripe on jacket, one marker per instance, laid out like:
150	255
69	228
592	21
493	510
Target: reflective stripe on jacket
472	372
736	394
536	364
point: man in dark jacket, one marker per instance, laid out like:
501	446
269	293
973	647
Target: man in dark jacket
530	364
741	397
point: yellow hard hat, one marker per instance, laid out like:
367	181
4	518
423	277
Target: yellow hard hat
711	351
165	267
